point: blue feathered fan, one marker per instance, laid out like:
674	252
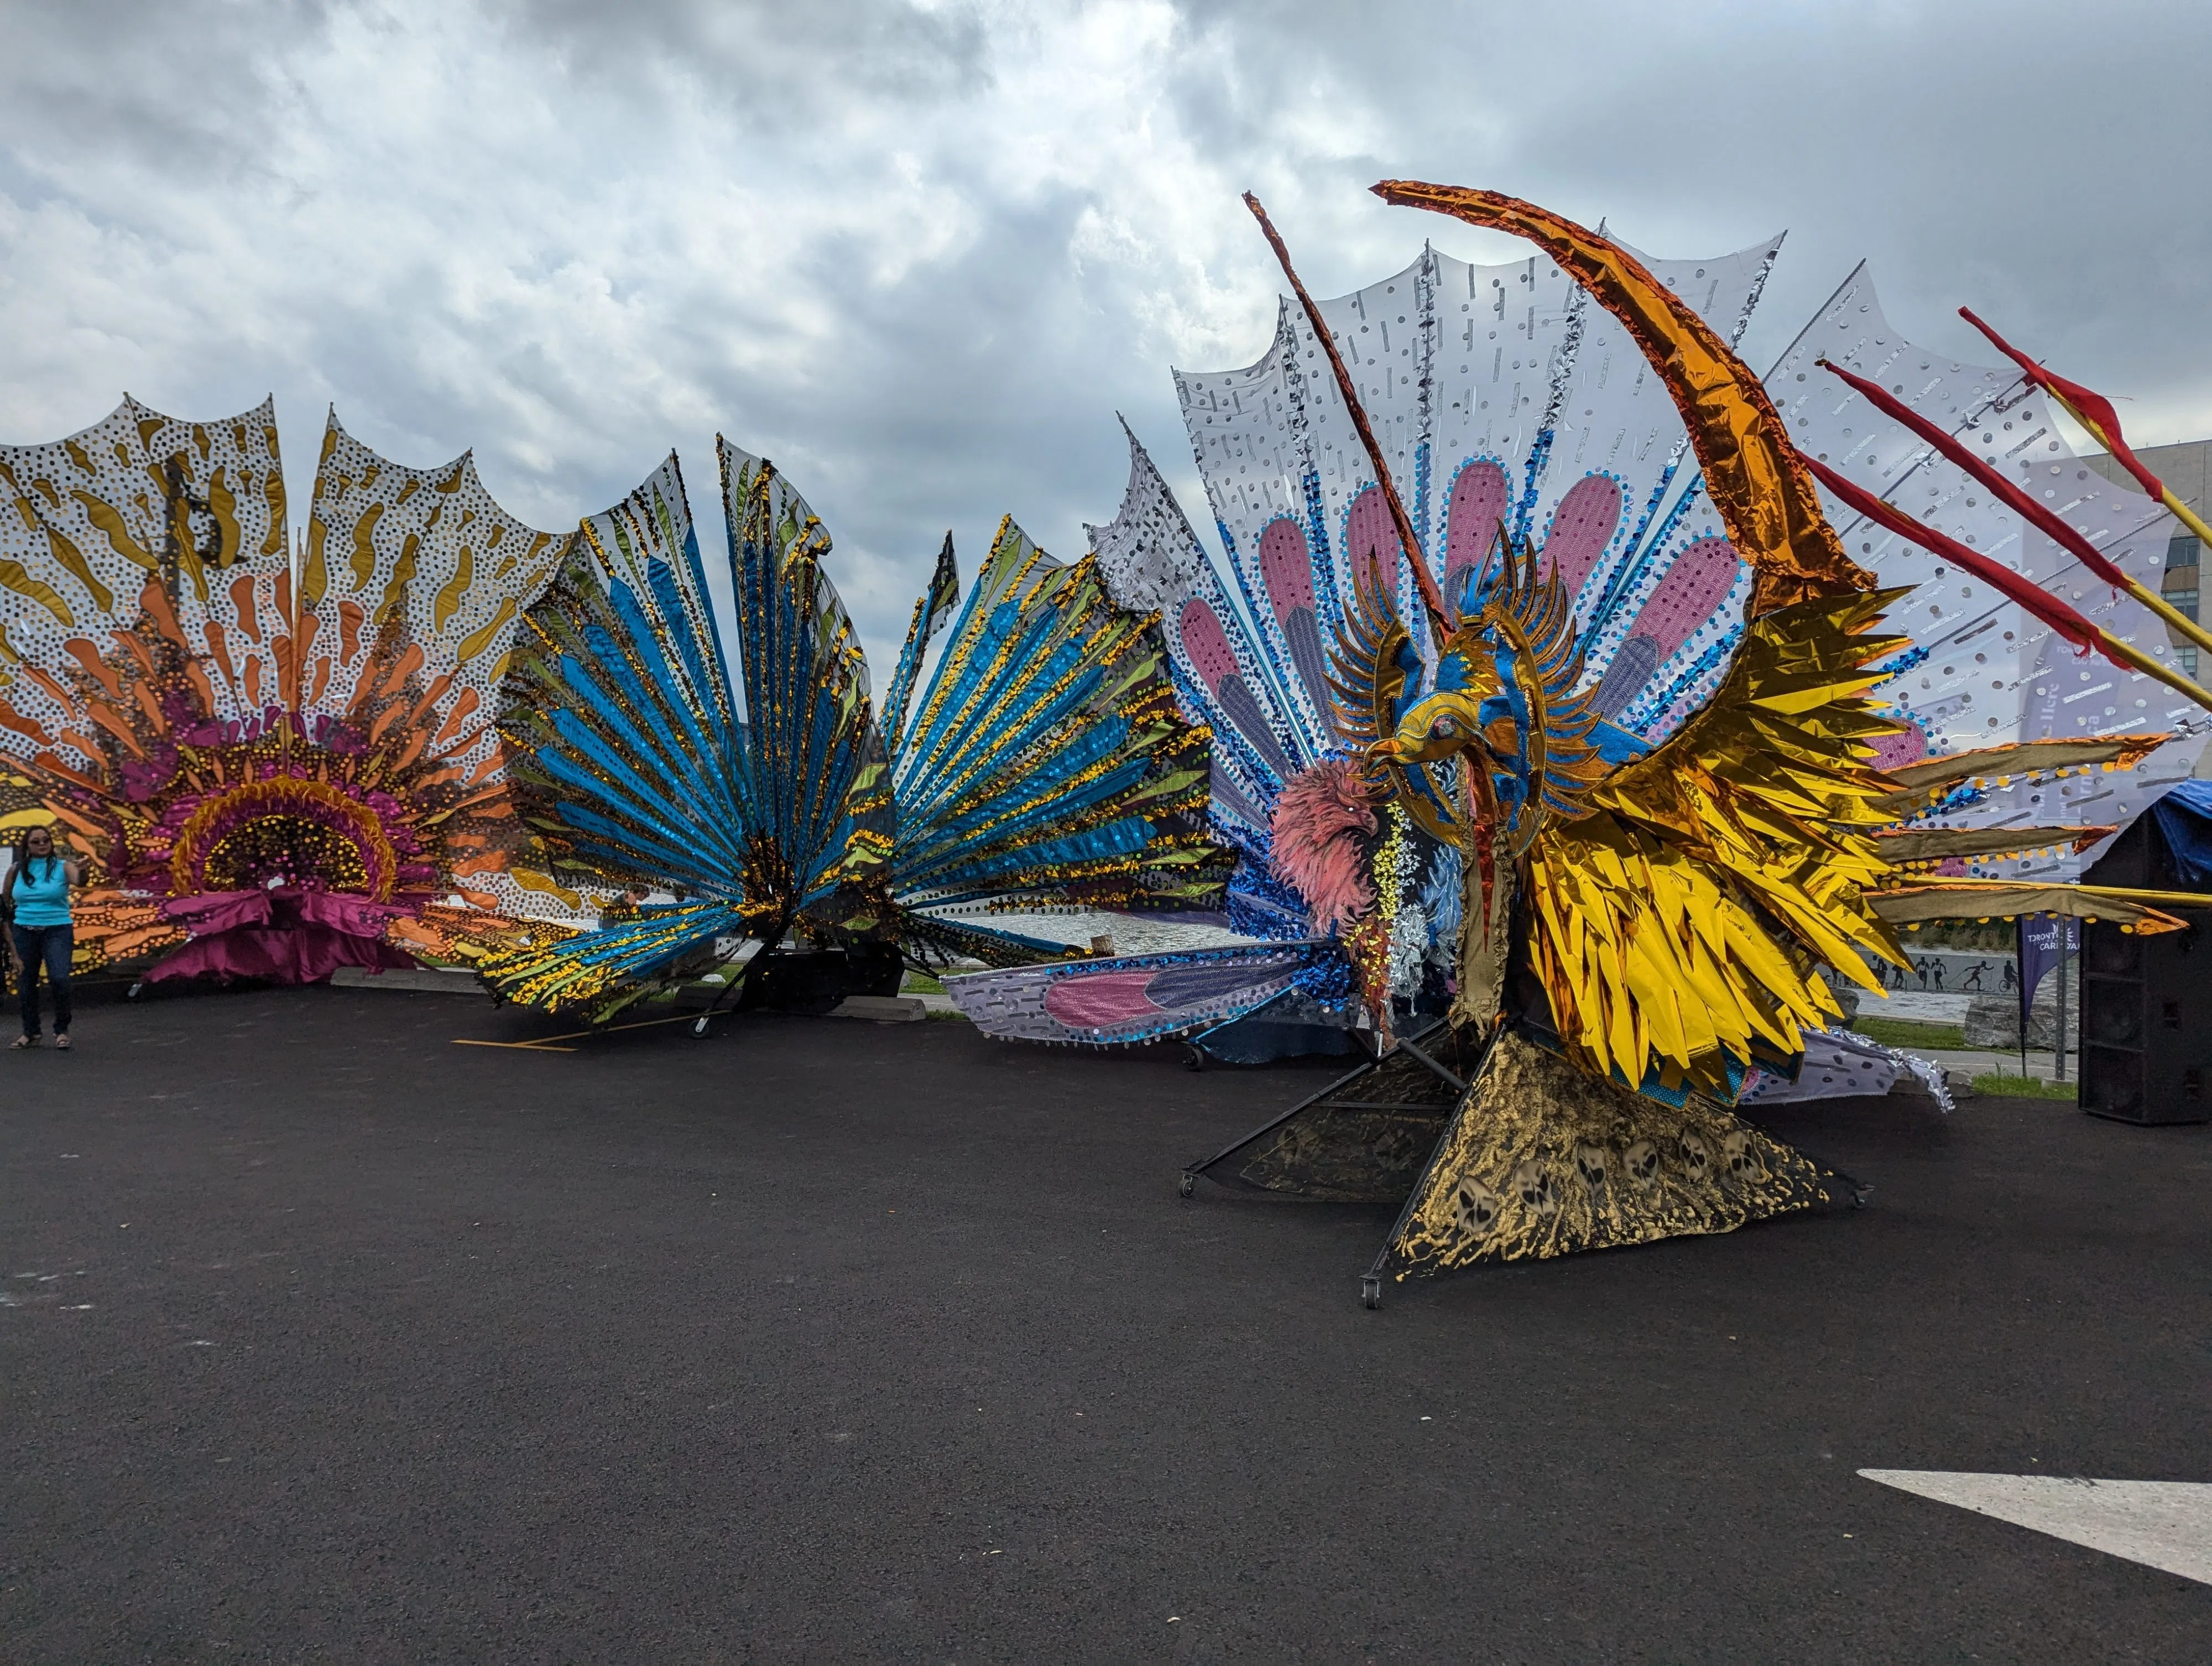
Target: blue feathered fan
750	791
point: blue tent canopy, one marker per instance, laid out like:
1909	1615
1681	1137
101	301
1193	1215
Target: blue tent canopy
2184	816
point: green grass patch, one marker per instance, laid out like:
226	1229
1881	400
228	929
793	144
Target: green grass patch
1999	1085
947	1018
1910	1033
920	983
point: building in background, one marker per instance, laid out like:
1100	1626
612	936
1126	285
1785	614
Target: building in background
2187	470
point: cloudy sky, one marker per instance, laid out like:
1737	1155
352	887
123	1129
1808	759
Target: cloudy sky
920	253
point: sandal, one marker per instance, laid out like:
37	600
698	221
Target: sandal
62	1043
22	1041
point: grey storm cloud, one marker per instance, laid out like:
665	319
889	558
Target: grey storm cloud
920	254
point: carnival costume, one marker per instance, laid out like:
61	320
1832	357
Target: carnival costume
738	792
1662	868
273	770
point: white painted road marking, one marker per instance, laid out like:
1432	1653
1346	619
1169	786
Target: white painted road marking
2164	1524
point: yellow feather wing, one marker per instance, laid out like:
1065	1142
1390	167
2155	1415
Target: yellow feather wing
1676	927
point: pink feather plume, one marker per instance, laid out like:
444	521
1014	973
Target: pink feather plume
1321	821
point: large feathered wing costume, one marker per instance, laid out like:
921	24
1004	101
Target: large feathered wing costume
1505	401
1673	904
1149	566
717	796
1645	923
272	773
1679	909
1046	762
738	790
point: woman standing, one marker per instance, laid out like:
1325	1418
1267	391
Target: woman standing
38	895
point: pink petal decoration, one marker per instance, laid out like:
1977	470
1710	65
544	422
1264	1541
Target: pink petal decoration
1474	512
1101	999
1206	643
1695	584
1581	527
1367	526
1286	567
1895	752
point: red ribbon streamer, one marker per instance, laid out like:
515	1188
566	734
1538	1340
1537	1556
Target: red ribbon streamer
2093	408
2059	616
2016	500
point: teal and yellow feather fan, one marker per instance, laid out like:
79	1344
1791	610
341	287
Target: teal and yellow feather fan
932	611
745	791
819	772
721	801
1046	761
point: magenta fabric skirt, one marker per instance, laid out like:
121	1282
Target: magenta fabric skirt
285	935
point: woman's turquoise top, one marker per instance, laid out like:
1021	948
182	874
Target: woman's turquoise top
40	890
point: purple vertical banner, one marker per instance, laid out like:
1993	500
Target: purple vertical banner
2040	940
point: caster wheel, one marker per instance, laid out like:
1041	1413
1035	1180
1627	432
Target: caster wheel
1186	1185
1194	1057
1859	1195
1371	1292
700	1028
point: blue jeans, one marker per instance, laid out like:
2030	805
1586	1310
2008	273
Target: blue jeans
52	944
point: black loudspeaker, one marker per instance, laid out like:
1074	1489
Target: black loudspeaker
816	980
2145	1012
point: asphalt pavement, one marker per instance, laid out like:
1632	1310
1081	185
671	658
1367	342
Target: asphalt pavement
324	1338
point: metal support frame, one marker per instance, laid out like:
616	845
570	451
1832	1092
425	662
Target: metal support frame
1191	1171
